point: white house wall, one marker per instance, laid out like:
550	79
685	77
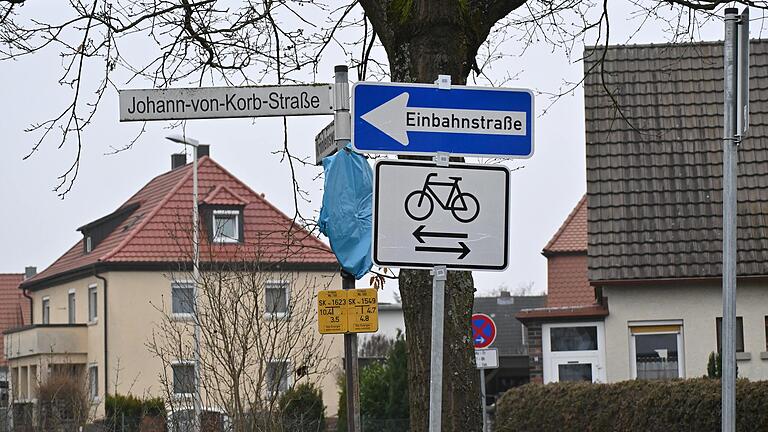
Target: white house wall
697	306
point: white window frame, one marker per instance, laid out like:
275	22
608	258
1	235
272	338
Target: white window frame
45	317
223	239
173	377
680	344
551	358
288	375
71	311
93	305
184	316
93	382
278	315
88	244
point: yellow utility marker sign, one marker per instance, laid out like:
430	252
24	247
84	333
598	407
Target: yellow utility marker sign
348	311
363	310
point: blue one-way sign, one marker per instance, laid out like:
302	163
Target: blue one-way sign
422	118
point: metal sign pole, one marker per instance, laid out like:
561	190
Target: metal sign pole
482	400
342	135
439	275
730	159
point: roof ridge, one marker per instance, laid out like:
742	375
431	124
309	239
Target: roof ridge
565	224
154	211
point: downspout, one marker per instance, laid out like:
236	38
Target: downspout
106	351
31	307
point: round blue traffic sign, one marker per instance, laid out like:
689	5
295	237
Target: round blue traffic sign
483	330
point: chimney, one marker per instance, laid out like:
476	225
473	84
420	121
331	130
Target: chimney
178	160
203	150
29	271
504	293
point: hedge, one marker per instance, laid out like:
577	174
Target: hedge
648	406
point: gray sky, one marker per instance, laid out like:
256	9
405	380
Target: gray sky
37	227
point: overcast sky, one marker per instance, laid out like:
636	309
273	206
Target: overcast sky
36	226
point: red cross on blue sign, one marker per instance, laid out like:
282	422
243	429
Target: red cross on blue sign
483	330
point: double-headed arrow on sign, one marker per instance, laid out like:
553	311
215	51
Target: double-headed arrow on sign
419	234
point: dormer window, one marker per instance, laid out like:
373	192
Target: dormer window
226	226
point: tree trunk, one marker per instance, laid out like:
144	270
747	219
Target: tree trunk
424	39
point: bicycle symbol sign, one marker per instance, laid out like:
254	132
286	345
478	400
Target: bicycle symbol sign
420	203
427	215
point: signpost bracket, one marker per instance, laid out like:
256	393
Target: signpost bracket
441	159
443	82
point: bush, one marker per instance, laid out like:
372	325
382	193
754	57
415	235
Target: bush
383	392
62	402
127	411
302	409
649	406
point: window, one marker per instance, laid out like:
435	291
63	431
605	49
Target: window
183	298
46	310
575	372
88	244
574	338
656	351
93	303
277	376
739	334
71	306
226	226
93	382
183	378
276	298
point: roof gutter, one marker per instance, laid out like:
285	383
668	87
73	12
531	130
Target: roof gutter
104	323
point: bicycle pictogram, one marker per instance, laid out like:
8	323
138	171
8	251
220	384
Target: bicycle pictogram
419	204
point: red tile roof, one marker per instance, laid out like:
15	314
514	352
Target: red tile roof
159	230
567	282
14	307
572	235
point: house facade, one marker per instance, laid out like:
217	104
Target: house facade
654	188
566	337
117	309
14	312
650	229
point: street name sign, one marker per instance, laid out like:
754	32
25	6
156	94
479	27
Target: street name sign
325	144
426	215
487	358
225	102
483	330
424	119
348	311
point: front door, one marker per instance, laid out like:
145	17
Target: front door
573	352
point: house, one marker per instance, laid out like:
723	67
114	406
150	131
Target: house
566	336
654	191
510	341
117	309
654	222
14	312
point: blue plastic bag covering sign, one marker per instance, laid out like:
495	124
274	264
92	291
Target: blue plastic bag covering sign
346	213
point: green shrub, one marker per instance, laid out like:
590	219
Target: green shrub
714	365
302	409
648	406
127	411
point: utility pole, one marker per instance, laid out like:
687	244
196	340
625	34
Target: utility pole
736	118
342	135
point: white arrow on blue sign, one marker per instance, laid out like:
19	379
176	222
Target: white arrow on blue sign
424	119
